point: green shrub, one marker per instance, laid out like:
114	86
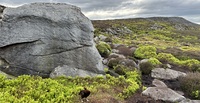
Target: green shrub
161	37
134	81
145	52
146	67
190	62
167	57
190	84
113	62
2	78
121	69
29	89
34	89
195	67
104	49
154	61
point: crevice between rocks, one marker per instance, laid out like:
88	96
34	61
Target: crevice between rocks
55	53
18	43
18	70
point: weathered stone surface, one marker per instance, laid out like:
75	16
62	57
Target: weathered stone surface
128	63
190	101
161	73
112	73
102	37
158	83
1	10
36	38
105	61
163	93
7	75
143	61
118	31
68	71
115	55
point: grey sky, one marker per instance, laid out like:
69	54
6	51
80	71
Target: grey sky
115	9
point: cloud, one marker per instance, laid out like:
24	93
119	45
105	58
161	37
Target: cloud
112	9
112	14
122	9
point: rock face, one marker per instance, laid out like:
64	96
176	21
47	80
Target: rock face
36	38
163	93
1	10
158	83
190	101
166	74
69	71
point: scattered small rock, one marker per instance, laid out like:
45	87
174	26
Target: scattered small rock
115	55
102	37
158	83
166	74
128	63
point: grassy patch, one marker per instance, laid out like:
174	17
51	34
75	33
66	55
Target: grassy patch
34	89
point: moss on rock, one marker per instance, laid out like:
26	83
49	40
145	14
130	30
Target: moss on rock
103	48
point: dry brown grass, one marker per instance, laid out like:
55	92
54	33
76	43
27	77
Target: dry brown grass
124	50
105	95
191	83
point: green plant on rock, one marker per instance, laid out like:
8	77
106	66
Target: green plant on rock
104	49
155	62
97	32
145	52
196	94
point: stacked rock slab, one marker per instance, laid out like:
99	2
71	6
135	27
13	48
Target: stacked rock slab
36	38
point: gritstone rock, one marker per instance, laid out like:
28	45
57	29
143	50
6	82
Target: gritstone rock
38	37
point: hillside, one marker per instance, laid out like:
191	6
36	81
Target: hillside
146	60
174	35
155	44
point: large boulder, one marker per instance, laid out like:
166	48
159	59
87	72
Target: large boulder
38	37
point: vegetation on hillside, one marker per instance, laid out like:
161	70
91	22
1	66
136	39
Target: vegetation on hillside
162	41
162	33
174	40
191	85
34	89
